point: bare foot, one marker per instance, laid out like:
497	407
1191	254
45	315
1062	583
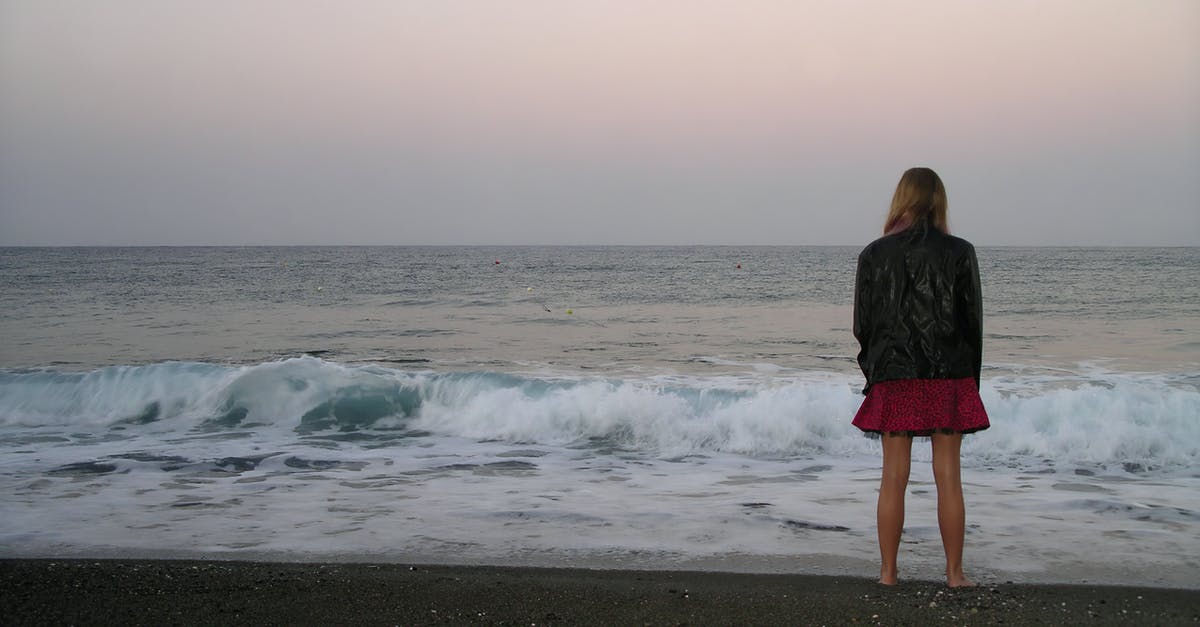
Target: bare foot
959	581
887	578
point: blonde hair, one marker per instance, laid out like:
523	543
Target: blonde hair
919	196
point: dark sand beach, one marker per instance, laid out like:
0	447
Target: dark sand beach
131	592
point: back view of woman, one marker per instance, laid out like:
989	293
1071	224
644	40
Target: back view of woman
918	319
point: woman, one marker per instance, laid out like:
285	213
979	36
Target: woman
918	319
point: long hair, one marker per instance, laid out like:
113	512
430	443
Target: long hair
919	196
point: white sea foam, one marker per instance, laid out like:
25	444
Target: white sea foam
307	458
1142	421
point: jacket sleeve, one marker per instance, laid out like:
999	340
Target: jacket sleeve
862	322
971	309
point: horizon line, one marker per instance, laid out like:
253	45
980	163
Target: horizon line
573	245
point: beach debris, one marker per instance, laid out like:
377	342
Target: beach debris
804	524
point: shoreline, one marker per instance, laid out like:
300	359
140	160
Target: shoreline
119	591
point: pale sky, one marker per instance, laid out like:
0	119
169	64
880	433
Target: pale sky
1052	122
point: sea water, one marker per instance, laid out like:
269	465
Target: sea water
640	407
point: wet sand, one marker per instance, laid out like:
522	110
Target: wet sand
132	592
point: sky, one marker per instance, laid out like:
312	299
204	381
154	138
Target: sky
179	122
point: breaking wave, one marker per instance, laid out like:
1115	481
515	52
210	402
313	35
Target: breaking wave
1141	422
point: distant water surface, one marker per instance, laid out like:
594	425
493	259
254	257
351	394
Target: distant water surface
632	406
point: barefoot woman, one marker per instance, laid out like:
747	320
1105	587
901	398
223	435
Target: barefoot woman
918	319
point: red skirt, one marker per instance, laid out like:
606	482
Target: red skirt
922	407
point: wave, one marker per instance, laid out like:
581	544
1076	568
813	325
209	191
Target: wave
1140	422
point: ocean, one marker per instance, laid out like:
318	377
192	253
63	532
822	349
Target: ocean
637	407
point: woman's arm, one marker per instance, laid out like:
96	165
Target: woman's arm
862	322
970	306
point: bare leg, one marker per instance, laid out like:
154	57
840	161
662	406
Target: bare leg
952	518
897	458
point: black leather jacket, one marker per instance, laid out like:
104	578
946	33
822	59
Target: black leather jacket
918	311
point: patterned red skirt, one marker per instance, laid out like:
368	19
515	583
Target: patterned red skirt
921	407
